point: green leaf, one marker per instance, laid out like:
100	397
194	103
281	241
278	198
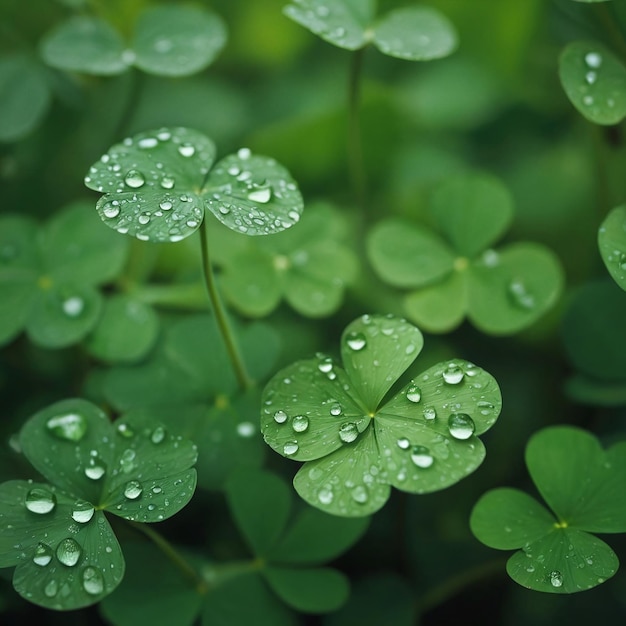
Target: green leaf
340	22
24	97
507	519
153	589
441	307
592	331
404	255
581	482
564	561
612	244
253	194
376	351
126	331
177	40
61	563
316	537
260	502
594	80
592	391
513	287
415	34
319	590
85	44
472	211
153	183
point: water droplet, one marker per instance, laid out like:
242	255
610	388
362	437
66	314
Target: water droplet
429	413
166	205
588	100
69	552
519	295
453	374
43	555
133	489
71	426
348	432
134	179
111	210
421	456
127	460
280	417
93	581
485	408
245	429
356	341
82	511
413	393
290	448
622	262
491	258
360	494
125	430
40	501
461	425
148	142
325	365
157	435
591	77
300	423
51	589
403	443
325	495
593	59
186	150
244	153
556	578
96	469
167	183
73	307
260	195
336	410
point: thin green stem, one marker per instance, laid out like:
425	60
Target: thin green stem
355	148
173	555
220	315
188	296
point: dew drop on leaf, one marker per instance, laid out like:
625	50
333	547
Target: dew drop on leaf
593	59
413	393
51	589
429	413
167	183
157	435
336	410
556	578
70	426
244	153
360	494
133	489
93	581
134	179
461	425
421	456
348	432
111	209
125	430
43	555
186	150
280	417
96	469
519	294
325	365
300	423
260	195
356	341
403	443
453	374
68	552
40	501
325	495
290	448
245	429
82	511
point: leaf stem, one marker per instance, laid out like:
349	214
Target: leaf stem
186	296
355	148
220	314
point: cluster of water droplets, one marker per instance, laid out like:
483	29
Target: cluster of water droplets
519	294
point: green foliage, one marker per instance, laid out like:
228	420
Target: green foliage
422	439
583	485
56	533
501	291
612	244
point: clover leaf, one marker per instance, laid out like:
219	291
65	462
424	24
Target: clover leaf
308	266
583	485
357	446
501	291
56	533
414	33
612	244
49	275
168	40
158	185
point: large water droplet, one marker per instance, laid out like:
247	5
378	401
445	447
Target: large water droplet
413	393
593	59
453	374
556	578
133	489
148	142
336	410
244	153
43	555
93	581
127	460
82	511
245	429
96	469
111	210
461	425
40	501
70	426
429	413
348	432
158	435
167	183
69	552
300	423
51	589
403	443
290	448
73	306
325	365
325	495
356	341
144	218
421	456
360	494
280	417
134	179
260	195
186	150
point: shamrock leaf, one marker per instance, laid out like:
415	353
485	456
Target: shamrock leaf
594	80
501	291
612	244
422	439
159	183
308	266
49	275
56	533
414	33
168	41
583	486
